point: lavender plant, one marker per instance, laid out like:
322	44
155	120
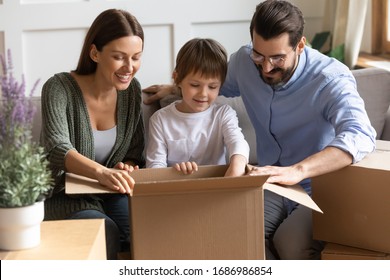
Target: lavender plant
25	177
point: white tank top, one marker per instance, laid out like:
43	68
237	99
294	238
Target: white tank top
104	142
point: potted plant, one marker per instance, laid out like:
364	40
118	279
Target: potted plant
25	177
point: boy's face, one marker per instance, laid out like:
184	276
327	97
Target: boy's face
198	92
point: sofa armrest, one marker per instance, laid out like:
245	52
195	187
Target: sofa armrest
386	129
373	85
244	122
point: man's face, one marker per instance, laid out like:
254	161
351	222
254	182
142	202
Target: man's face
275	59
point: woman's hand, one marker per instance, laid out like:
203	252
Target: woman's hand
186	167
116	179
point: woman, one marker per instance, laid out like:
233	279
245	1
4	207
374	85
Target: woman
92	125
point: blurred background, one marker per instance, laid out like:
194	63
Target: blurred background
45	36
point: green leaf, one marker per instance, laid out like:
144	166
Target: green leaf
319	40
338	53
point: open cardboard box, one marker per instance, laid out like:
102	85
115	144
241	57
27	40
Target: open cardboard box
199	216
356	203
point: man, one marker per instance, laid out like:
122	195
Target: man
307	114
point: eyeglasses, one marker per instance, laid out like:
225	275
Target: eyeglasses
276	61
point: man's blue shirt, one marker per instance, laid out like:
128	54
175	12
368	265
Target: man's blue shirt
318	107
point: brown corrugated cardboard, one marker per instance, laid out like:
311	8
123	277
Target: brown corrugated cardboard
356	203
199	216
334	251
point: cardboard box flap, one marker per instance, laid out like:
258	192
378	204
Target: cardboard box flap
295	193
200	184
76	184
376	160
382	145
168	180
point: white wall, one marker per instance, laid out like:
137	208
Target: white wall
45	36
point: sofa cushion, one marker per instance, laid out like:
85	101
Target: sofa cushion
374	87
244	122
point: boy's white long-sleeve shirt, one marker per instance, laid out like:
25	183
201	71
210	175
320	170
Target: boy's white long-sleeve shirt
202	137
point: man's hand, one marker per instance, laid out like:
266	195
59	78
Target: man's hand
157	92
289	175
325	161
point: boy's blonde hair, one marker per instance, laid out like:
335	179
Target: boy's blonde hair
206	57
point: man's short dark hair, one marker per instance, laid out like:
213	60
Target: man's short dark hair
273	18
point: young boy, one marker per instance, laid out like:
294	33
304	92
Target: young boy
196	131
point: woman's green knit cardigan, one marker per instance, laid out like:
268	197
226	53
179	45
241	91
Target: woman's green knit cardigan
66	126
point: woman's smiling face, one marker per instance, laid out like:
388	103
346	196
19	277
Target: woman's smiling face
119	61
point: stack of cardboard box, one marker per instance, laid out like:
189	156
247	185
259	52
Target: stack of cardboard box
356	208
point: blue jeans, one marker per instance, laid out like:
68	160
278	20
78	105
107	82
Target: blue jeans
116	218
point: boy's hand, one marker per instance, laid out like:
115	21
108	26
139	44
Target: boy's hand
186	167
237	166
126	166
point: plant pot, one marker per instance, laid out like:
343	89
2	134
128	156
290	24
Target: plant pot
20	227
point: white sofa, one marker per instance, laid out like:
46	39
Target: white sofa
373	86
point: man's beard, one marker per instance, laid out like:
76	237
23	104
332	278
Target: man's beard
279	81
